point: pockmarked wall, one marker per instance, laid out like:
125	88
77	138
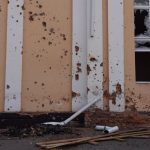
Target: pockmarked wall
137	94
46	83
47	57
47	49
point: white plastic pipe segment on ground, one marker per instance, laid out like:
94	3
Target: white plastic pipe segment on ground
74	115
101	128
107	129
112	129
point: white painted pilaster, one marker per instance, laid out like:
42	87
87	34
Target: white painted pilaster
87	57
79	55
116	54
14	56
95	51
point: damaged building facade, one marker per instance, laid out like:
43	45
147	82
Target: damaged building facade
59	55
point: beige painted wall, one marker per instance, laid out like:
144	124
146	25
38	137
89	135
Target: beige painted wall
3	14
46	85
137	95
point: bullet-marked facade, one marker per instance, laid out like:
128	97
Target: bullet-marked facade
57	56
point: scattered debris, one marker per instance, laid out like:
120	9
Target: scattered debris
30	125
100	128
34	131
125	120
107	129
120	136
111	129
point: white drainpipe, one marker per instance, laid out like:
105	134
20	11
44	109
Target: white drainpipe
74	115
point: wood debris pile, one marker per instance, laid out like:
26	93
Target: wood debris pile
120	136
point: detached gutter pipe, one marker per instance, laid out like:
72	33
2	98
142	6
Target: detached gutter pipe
111	129
102	128
63	123
107	129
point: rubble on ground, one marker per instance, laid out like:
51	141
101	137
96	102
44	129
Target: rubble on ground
34	130
125	120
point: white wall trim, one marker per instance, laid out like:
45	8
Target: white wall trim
14	56
87	45
116	55
79	52
95	50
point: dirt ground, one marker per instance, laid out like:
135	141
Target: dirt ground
29	143
124	120
24	137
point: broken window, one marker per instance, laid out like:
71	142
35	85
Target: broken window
142	45
142	40
142	27
141	2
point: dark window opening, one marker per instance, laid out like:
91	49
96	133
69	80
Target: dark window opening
142	61
142	24
142	40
